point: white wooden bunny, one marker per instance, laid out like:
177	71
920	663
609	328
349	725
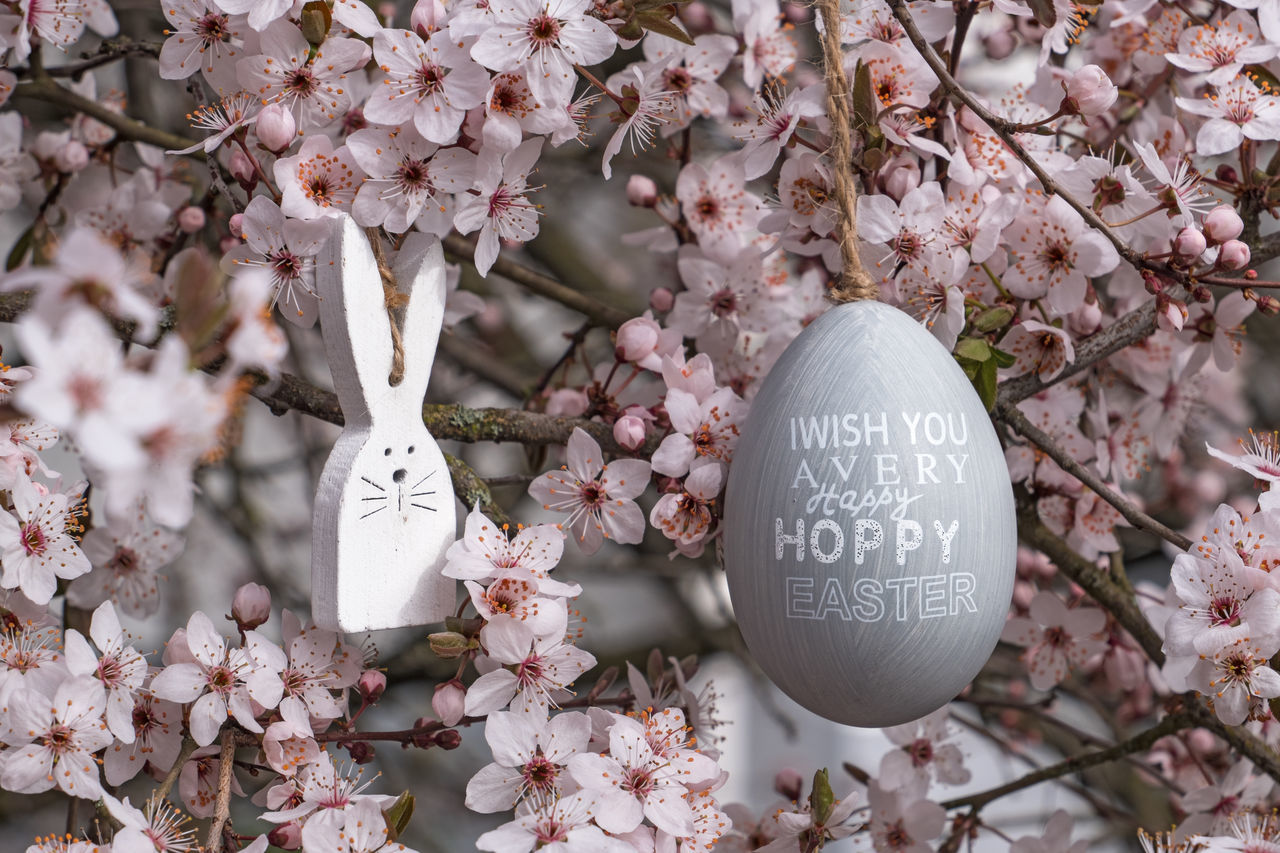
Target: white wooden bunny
384	509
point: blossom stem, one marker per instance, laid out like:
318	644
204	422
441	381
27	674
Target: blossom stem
257	167
184	753
595	81
1156	209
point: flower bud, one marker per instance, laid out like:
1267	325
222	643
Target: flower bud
372	685
241	168
71	157
426	17
276	127
448	739
362	752
661	299
697	17
448	644
1090	92
190	219
286	836
1226	173
901	176
642	191
999	44
567	403
236	224
637	338
251	606
1171	314
1222	224
789	783
1268	305
1086	319
1233	255
449	701
1189	244
628	431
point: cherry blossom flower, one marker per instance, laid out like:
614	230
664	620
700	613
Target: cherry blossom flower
500	209
685	516
546	38
58	22
202	37
903	820
285	72
923	753
484	552
541	671
319	180
157	740
1237	111
410	180
221	680
1054	253
769	47
529	757
120	668
232	113
716	205
560	825
690	72
706	429
1219	604
288	743
31	659
788	826
363	830
35	546
631	783
718	300
1237	678
198	782
645	107
1038	347
1055	638
285	247
430	84
1056	838
317	664
52	742
160	829
1211	808
511	110
597	497
912	229
126	553
1222	48
511	605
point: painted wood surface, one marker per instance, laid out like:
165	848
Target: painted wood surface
384	509
870	532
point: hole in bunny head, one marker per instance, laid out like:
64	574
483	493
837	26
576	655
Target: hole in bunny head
399	474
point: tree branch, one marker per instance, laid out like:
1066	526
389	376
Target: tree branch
1016	419
602	314
222	805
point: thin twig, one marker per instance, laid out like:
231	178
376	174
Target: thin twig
1016	419
184	755
222	805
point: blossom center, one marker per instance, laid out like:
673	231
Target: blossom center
123	562
544	30
212	29
429	79
59	738
921	752
33	539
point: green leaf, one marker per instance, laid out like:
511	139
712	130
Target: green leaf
316	18
20	248
657	22
970	368
821	800
398	815
1002	358
866	108
974	349
986	384
1044	12
993	318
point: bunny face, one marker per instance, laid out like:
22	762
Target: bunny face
402	481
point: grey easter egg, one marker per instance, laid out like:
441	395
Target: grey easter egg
869	529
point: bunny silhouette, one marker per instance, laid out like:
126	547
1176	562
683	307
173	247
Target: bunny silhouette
384	509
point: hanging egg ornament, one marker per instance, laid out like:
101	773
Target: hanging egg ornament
870	534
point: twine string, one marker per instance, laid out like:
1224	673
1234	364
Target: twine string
854	283
395	302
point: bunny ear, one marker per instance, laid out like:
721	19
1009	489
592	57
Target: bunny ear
357	335
419	271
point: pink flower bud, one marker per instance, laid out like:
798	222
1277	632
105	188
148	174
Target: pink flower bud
286	836
251	606
901	176
628	431
1233	255
71	157
426	17
190	219
236	224
448	739
1189	244
661	299
642	191
999	44
1222	224
789	783
449	701
386	11
567	403
697	17
372	685
636	339
1090	92
1171	314
276	127
242	168
795	13
362	752
1086	319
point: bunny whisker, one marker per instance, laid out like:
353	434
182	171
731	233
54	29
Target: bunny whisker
420	506
375	498
423	480
420	494
372	483
372	511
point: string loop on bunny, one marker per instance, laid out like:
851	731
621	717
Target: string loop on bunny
854	283
395	302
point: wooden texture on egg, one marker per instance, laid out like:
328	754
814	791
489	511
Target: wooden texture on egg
870	534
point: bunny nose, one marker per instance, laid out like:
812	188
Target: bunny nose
399	474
